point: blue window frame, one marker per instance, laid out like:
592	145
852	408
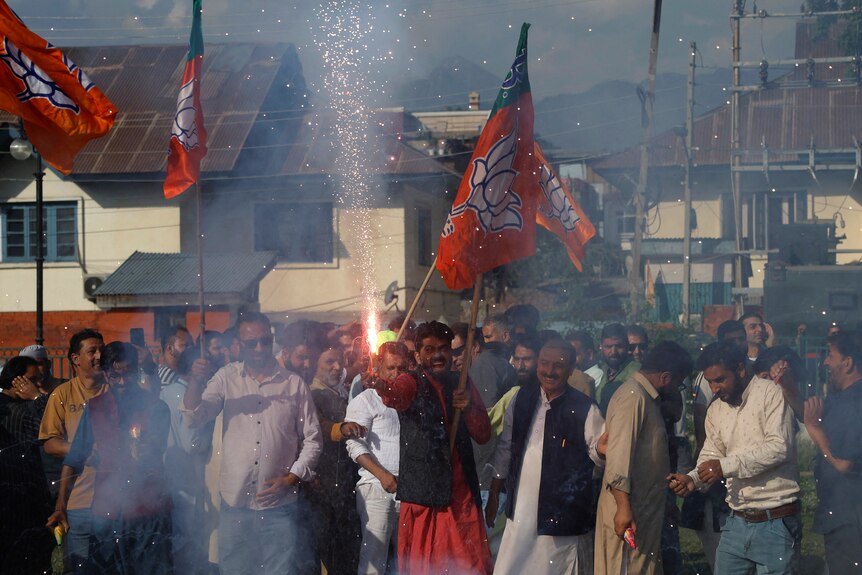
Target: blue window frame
60	225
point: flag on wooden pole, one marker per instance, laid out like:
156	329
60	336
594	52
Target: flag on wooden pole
188	144
493	217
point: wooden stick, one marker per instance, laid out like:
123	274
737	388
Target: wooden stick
468	359
416	299
200	244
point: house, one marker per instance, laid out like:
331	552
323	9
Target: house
800	163
276	229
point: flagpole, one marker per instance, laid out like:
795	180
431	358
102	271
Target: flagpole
468	358
419	294
200	245
40	250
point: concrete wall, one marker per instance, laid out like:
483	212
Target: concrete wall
332	291
666	220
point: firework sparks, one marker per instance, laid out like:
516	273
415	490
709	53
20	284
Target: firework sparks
342	38
371	331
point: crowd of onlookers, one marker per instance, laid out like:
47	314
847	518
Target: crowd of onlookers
302	450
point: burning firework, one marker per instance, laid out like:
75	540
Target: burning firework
342	41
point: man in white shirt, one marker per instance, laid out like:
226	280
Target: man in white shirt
546	457
377	455
750	444
271	441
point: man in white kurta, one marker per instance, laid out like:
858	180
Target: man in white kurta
377	454
523	548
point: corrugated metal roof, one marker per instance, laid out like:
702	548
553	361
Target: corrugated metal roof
828	118
177	274
782	119
143	82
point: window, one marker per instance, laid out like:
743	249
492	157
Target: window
299	233
626	221
60	226
423	235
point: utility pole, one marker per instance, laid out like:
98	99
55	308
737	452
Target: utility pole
686	242
635	290
735	19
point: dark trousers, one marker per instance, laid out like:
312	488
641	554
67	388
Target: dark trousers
337	529
844	550
136	546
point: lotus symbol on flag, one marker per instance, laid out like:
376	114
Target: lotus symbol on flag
558	205
185	128
37	84
83	79
491	196
515	75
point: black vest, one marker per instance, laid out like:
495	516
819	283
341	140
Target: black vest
566	489
425	466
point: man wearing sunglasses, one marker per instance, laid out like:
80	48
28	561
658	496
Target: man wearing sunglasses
271	442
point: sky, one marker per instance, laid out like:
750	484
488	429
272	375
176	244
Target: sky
574	44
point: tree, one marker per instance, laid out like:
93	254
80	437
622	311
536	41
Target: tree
551	272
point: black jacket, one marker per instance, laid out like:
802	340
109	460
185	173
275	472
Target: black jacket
425	466
566	488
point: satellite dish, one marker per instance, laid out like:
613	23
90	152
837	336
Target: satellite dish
390	294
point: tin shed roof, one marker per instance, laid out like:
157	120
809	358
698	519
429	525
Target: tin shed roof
145	274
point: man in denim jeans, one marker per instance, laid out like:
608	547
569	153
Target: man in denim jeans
749	444
271	442
60	424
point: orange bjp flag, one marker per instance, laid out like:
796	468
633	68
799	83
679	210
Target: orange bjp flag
61	108
560	214
188	144
493	217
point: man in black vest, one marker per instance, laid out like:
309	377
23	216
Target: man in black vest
546	457
440	526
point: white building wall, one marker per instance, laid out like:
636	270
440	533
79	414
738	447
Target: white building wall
333	290
666	220
122	219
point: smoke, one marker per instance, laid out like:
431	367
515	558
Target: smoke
344	39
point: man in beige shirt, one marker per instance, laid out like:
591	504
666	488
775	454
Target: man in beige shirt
749	444
60	423
634	487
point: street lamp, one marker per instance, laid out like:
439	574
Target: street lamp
21	149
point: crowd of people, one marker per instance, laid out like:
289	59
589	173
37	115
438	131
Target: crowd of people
554	453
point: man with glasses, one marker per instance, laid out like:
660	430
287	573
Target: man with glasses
271	442
638	342
459	345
